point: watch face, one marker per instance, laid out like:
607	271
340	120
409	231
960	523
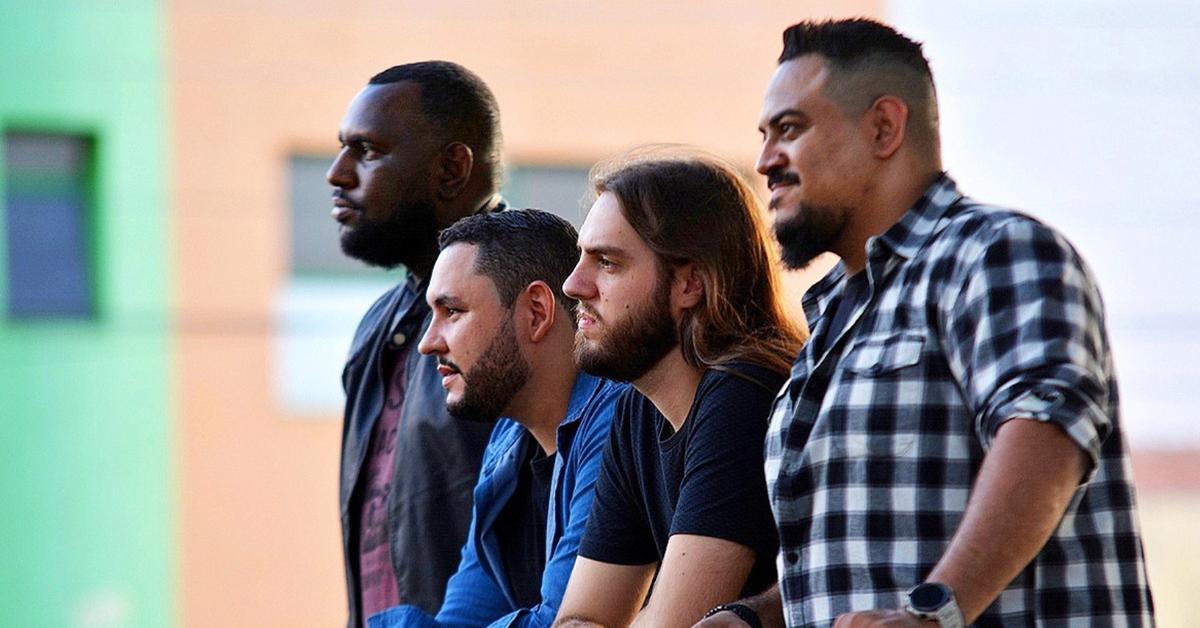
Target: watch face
929	597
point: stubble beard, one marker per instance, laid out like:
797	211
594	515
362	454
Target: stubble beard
492	382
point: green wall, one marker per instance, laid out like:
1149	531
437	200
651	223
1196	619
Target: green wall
85	473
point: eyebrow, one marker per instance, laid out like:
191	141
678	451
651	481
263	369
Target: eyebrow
604	250
774	121
445	300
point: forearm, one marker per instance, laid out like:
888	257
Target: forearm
1023	488
768	605
576	622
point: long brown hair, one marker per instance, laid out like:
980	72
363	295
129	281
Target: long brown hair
689	206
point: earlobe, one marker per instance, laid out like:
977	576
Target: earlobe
541	309
890	119
456	162
691	285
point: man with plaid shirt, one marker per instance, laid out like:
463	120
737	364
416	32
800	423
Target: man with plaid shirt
948	447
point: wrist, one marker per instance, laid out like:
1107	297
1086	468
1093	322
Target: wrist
935	601
744	613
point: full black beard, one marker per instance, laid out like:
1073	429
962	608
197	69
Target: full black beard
406	236
631	350
494	380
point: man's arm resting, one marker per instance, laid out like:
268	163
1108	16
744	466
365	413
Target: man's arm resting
697	573
768	605
1024	486
603	594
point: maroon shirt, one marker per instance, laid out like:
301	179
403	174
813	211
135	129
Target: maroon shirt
380	591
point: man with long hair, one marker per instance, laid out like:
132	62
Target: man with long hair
678	294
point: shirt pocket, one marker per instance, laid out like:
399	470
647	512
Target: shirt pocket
882	354
882	416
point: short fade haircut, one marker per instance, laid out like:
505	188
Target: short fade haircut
518	247
867	60
459	105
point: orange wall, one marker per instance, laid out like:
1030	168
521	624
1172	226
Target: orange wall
252	82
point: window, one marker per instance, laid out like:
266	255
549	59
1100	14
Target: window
47	226
560	189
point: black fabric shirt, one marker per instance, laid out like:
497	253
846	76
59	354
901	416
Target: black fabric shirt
706	479
521	526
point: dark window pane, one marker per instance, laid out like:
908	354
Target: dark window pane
557	189
46	225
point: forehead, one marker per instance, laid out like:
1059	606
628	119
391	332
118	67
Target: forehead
606	230
387	110
454	277
797	84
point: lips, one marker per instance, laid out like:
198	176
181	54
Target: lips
448	373
344	211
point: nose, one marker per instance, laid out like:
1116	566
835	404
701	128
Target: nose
769	158
578	285
432	343
341	172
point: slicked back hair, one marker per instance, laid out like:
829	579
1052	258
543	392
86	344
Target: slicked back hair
459	105
867	60
518	247
690	207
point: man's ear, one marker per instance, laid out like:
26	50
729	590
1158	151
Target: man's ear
542	308
687	287
455	163
888	120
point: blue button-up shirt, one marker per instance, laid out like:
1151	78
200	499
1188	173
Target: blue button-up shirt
480	593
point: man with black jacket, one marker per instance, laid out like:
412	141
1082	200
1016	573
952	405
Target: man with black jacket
420	148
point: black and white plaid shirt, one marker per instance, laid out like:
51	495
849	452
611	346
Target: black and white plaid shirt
972	315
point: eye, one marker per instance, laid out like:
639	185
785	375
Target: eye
453	311
789	129
605	263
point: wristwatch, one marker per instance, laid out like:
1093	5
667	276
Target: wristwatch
934	600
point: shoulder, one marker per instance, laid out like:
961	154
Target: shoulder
376	315
736	393
977	228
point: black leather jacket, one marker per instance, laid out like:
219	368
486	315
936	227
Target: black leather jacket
437	460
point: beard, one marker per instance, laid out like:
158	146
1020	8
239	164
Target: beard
809	232
632	347
493	381
407	233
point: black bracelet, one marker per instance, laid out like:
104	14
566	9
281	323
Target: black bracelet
744	613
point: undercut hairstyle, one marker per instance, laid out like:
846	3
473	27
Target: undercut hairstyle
518	247
690	207
459	105
867	60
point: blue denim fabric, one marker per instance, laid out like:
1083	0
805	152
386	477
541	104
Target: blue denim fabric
480	593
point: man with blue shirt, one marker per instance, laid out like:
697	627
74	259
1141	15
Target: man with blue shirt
502	333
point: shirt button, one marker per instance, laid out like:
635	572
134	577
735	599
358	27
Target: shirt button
399	338
791	557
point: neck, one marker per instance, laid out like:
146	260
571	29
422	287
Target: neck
671	387
541	405
893	195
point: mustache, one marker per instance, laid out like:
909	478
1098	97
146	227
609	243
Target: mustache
779	176
448	364
583	308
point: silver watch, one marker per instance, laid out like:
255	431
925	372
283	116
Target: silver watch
934	600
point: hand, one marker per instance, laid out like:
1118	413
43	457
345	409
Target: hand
894	618
723	619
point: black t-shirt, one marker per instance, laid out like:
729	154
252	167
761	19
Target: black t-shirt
707	479
521	525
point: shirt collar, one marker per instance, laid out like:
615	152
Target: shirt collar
909	235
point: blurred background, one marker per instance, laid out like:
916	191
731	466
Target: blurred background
174	310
